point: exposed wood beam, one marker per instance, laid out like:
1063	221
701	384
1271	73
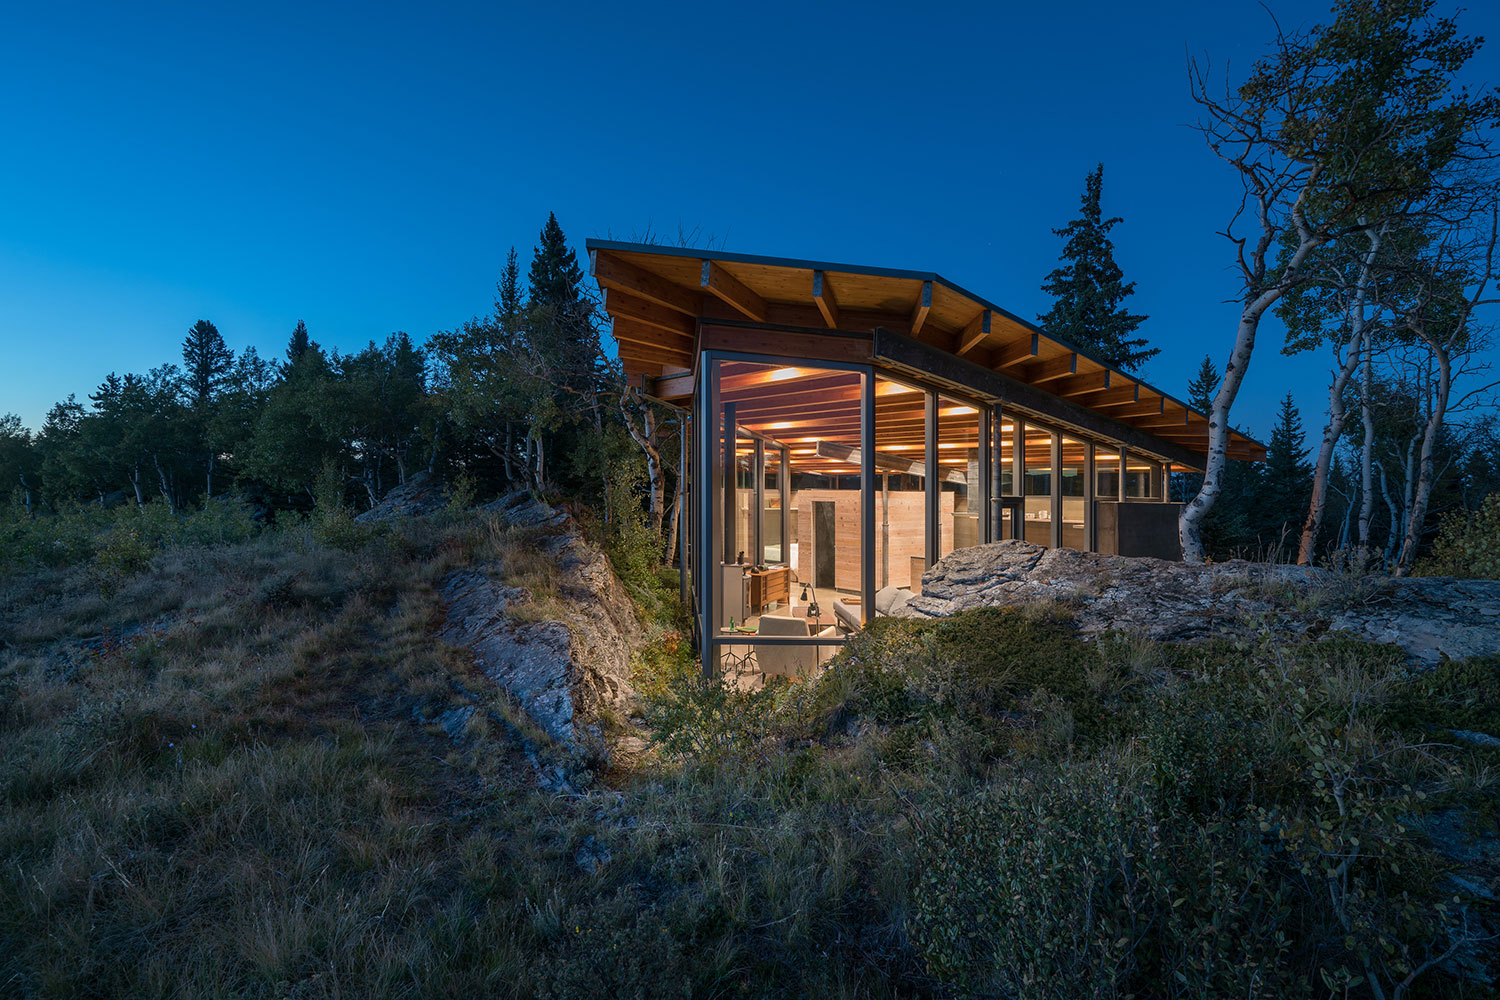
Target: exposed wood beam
674	386
635	332
1014	354
885	463
618	304
612	272
922	308
731	291
1117	396
1145	408
974	334
1084	384
1063	366
827	302
1165	420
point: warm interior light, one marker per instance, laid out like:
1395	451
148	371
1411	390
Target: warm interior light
958	411
782	374
780	425
900	447
804	451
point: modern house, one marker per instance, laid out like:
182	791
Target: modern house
852	425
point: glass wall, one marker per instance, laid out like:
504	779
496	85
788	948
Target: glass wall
957	469
1038	484
1106	472
784	436
1142	478
1073	482
900	485
772	547
1005	454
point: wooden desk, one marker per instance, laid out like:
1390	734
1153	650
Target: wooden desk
768	586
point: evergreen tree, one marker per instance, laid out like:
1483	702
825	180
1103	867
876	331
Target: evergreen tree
1287	480
562	321
298	345
556	278
508	308
206	360
1089	289
1204	386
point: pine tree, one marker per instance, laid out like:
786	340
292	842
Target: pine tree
508	310
556	278
562	322
1287	480
206	360
1204	386
297	346
1089	288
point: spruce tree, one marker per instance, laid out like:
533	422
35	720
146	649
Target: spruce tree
1089	289
297	346
1204	386
508	306
556	279
562	322
205	360
1287	480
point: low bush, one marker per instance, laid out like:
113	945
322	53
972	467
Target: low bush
1467	544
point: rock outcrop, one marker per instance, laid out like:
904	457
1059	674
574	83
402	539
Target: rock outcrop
564	655
420	494
1430	618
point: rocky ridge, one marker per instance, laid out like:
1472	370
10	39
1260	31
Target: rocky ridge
566	660
1432	619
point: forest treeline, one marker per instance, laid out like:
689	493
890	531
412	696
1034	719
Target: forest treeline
520	397
523	397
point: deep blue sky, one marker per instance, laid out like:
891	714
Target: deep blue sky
366	169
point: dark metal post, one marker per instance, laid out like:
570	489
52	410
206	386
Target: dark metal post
931	484
867	496
985	487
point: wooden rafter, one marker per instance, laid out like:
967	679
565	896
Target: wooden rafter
922	308
612	272
1063	366
827	302
732	291
1014	354
1083	384
618	305
974	334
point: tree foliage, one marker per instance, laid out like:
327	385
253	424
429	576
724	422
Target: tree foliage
1089	289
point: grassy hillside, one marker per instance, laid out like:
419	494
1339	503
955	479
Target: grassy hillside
232	777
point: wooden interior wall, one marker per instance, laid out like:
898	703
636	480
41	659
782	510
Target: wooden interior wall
908	518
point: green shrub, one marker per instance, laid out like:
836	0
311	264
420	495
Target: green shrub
1467	544
332	519
1066	882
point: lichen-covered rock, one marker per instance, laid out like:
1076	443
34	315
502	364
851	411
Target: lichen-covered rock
565	660
419	495
1430	618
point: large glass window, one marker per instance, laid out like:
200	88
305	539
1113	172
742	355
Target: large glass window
1038	485
1073	482
958	476
1107	473
1142	478
809	581
1006	457
900	488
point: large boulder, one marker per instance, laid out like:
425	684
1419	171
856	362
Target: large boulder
565	655
1430	618
420	494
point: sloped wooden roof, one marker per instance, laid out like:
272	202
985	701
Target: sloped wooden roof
656	296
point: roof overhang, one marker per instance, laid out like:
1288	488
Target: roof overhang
661	300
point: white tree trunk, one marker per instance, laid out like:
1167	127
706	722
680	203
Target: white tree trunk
1417	513
1366	458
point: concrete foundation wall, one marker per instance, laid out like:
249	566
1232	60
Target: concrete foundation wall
1138	529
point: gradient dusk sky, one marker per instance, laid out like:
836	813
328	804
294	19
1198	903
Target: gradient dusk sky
366	167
